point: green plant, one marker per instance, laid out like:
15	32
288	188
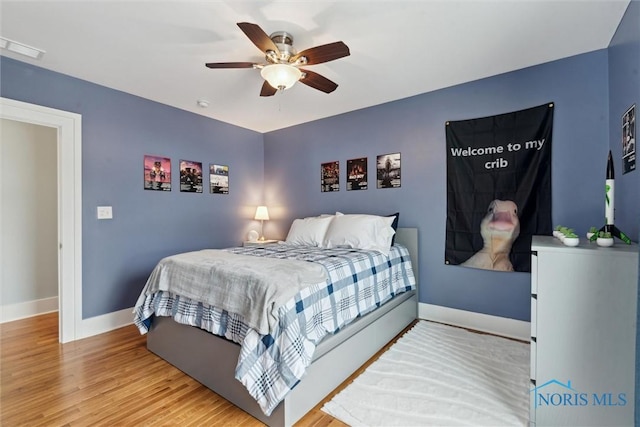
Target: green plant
604	235
566	231
593	230
570	234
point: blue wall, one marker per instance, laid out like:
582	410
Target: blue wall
415	127
624	91
117	131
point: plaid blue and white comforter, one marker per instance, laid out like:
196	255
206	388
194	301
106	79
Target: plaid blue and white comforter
270	365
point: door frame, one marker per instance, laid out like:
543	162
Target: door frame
69	147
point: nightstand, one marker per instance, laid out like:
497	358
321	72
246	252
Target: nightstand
259	243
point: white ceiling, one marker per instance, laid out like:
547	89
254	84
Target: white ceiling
157	50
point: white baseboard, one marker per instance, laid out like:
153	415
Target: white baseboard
503	326
511	328
105	323
22	310
87	327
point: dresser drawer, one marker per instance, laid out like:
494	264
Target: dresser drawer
533	359
534	272
534	316
532	404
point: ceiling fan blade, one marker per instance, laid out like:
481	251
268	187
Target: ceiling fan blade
258	37
230	64
267	89
317	81
324	53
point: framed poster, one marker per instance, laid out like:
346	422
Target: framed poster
330	177
357	174
629	140
190	176
388	170
157	173
219	179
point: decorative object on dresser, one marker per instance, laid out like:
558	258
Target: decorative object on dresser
583	333
591	232
262	214
609	205
566	235
604	239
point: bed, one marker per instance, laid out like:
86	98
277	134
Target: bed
221	363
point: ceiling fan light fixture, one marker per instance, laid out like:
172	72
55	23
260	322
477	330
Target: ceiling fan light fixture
281	69
280	76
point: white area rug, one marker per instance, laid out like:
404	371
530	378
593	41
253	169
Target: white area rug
438	375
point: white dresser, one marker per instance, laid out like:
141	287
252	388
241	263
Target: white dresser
583	333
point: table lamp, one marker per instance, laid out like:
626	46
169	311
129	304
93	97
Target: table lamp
262	214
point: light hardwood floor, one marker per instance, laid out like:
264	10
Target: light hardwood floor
108	380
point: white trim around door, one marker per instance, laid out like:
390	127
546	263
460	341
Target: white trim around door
69	126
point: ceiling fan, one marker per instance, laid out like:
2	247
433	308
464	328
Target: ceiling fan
282	68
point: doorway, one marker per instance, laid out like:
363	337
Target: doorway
69	178
29	219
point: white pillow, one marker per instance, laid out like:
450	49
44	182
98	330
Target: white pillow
309	231
360	232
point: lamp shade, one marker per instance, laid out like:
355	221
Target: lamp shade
262	213
280	76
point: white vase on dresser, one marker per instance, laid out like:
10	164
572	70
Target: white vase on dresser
583	333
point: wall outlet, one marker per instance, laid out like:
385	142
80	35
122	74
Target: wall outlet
105	212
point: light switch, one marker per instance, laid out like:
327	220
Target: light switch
105	212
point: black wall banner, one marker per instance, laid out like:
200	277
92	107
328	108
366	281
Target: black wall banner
498	188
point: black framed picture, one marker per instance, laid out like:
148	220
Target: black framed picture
388	170
330	176
357	174
218	179
629	140
190	176
157	173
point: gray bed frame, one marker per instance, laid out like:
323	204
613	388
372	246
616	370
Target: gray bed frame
211	360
